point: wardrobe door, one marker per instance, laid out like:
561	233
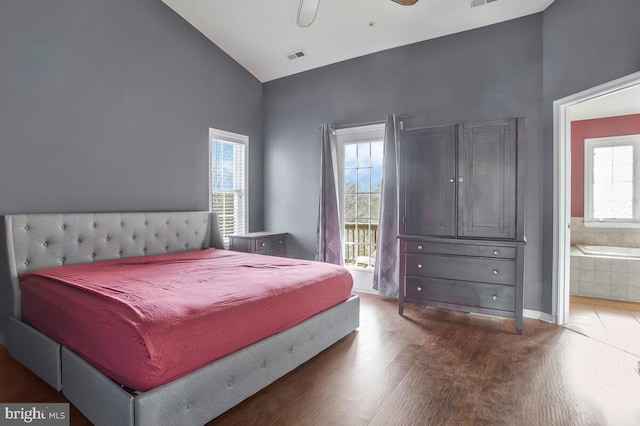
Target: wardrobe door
428	181
487	180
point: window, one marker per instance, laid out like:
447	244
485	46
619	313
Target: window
612	187
361	159
228	194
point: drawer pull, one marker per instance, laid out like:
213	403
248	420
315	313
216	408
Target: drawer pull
452	180
419	247
419	265
263	244
496	272
496	252
280	242
419	288
494	297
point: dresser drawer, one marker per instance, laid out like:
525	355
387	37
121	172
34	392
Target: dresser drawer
267	243
278	250
482	250
494	271
488	296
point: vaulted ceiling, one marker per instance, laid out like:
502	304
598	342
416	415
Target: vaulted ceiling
260	34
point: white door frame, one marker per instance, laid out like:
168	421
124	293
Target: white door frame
562	186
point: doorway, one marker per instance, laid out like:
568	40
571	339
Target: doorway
595	102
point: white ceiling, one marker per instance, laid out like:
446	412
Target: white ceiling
623	102
260	33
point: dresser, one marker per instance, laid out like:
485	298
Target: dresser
461	194
269	243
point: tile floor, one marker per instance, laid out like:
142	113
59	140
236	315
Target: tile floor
613	322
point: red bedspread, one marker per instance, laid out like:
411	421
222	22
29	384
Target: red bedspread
144	321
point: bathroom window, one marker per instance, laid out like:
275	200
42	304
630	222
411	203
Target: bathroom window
612	180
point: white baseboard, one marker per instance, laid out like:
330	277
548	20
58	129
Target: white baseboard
542	316
361	290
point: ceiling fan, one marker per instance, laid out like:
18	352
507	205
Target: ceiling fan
309	8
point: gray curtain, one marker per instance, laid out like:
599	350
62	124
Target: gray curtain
329	248
385	274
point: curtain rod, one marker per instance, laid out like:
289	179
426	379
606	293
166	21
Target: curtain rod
334	127
347	125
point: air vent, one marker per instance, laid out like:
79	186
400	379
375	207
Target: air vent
299	54
476	3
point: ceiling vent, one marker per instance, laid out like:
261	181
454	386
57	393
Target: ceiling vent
299	54
476	3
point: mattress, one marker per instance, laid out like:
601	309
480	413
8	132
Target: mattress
146	320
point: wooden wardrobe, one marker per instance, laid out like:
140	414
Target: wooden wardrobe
461	213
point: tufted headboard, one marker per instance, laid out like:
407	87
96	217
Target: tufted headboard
32	241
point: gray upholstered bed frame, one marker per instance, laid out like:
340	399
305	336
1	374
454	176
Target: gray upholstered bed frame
40	240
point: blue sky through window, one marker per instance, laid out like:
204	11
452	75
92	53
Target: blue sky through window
222	165
363	167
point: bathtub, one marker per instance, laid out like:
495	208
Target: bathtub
607	272
610	251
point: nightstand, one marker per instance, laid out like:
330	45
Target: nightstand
269	243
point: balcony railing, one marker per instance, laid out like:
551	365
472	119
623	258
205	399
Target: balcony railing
360	244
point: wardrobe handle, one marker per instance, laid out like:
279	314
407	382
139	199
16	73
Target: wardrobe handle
452	180
460	179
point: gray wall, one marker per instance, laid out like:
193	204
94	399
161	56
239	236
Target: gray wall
489	73
517	68
586	43
106	106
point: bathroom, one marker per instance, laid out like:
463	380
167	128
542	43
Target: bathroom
605	253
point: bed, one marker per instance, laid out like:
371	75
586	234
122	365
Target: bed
29	243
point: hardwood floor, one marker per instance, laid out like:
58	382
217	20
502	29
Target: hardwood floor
429	367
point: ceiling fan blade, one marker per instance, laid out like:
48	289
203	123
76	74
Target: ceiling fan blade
307	12
406	2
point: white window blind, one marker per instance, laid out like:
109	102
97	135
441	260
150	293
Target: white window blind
229	181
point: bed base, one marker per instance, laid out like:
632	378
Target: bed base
35	351
34	241
195	398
